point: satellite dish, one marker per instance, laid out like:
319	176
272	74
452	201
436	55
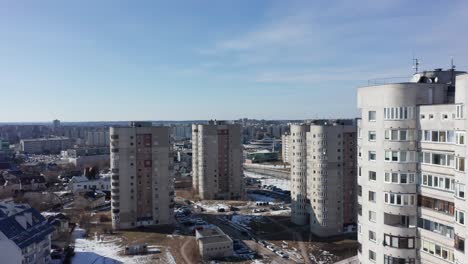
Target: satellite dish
436	79
416	78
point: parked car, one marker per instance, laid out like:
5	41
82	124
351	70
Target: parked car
263	243
271	247
282	254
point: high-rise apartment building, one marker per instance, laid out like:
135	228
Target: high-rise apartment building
217	160
142	185
285	147
411	170
323	176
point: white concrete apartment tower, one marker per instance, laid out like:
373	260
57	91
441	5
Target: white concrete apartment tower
411	170
142	185
298	160
217	160
323	173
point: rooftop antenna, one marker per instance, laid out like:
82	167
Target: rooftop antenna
452	65
415	64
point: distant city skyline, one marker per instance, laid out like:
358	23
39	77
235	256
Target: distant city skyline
154	60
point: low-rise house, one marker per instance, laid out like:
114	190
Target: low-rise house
32	183
82	183
213	243
25	234
61	223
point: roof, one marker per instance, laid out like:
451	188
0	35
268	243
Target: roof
212	235
35	231
32	179
93	195
215	239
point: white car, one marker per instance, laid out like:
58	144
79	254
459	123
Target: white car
272	248
282	254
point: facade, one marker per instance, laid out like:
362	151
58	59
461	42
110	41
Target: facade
82	183
323	169
51	145
412	170
286	147
24	234
142	185
98	137
214	243
217	160
181	132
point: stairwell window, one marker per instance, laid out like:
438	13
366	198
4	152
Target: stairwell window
372	216
372	236
372	196
460	110
372	116
372	175
460	137
460	163
460	217
372	256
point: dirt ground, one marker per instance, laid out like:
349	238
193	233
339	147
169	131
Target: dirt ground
276	229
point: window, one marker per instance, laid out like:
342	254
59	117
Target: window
372	216
359	190
372	175
459	243
400	156
460	137
460	190
398	135
372	236
459	114
372	116
460	163
441	136
439	182
440	159
372	136
436	227
372	196
398	242
399	199
437	250
395	260
372	256
398	113
393	177
460	217
372	156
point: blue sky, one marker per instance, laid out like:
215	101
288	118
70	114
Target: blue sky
184	60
